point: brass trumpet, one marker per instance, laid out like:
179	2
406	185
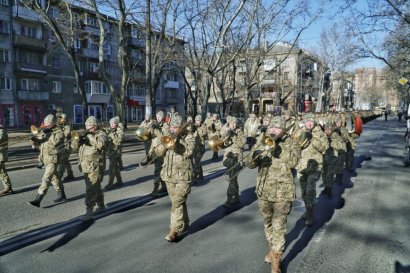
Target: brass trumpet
169	141
78	135
215	143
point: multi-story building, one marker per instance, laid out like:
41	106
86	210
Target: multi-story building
36	75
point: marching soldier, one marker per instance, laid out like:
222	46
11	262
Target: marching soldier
3	159
351	147
214	129
250	128
341	154
160	129
177	174
115	137
120	128
65	151
234	143
330	157
275	186
147	123
313	143
91	162
49	140
199	134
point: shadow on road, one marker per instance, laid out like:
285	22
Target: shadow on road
323	213
247	197
399	268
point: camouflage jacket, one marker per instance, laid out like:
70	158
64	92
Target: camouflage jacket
156	148
250	127
200	135
234	144
177	166
67	138
92	152
50	145
274	182
312	155
336	145
214	128
115	138
3	145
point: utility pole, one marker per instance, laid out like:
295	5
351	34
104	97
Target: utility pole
148	59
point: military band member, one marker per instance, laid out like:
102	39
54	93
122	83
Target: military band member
214	129
235	140
275	186
351	147
49	139
120	128
160	129
91	162
147	123
341	155
250	127
177	174
200	135
3	159
65	150
313	143
115	138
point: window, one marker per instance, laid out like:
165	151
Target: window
136	90
4	56
77	43
24	84
28	31
95	87
29	84
75	89
4	2
91	21
108	68
4	27
57	87
93	67
107	49
78	114
53	12
5	84
135	32
30	58
172	77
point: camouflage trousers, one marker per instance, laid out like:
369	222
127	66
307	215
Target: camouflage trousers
350	157
232	177
308	187
4	176
275	215
197	164
328	174
159	161
50	176
93	192
340	162
178	193
65	165
114	170
147	146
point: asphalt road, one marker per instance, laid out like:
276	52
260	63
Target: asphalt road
363	228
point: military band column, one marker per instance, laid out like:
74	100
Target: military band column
321	145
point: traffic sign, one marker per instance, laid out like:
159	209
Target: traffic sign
403	81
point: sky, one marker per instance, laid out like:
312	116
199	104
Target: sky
309	38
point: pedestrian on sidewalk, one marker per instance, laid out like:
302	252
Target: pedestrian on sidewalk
4	143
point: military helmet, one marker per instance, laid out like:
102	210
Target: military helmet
59	109
232	119
91	121
50	120
310	117
277	122
189	119
114	121
161	114
176	122
198	118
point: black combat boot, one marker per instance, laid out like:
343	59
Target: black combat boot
36	202
61	197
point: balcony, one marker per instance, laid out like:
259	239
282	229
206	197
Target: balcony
25	13
267	82
170	99
171	84
98	98
33	95
29	42
31	68
269	95
6	96
90	53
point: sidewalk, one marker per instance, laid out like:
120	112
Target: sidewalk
370	231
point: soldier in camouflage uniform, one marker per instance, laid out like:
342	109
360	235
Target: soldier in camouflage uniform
65	150
120	128
115	137
91	161
147	123
341	154
49	139
214	129
234	143
160	129
351	147
177	174
3	159
330	157
313	144
250	128
275	186
199	134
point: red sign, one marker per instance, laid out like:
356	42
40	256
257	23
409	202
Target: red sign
133	103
